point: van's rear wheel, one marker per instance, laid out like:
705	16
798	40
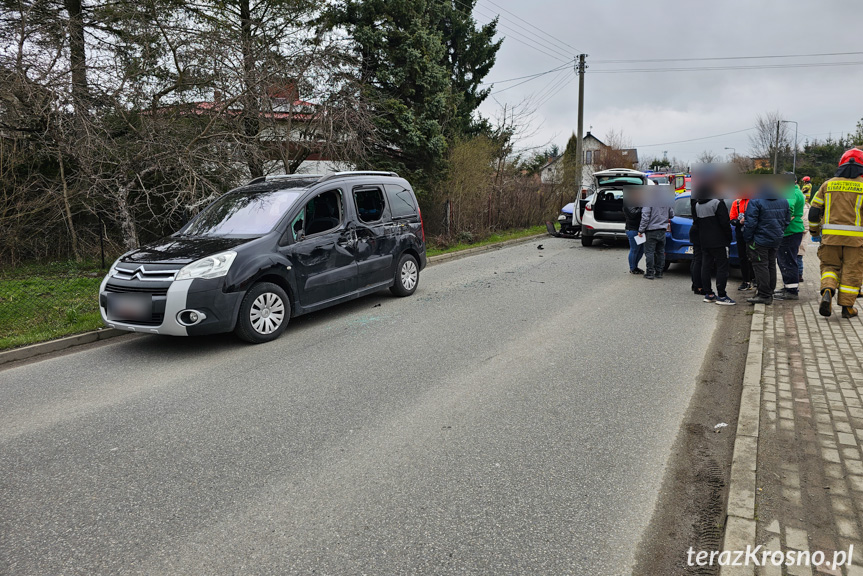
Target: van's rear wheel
407	276
264	313
586	240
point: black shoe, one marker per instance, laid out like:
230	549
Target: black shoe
744	286
849	312
786	294
658	275
698	291
636	271
649	276
826	307
767	300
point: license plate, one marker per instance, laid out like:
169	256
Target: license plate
130	306
689	249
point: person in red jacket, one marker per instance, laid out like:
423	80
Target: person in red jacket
738	209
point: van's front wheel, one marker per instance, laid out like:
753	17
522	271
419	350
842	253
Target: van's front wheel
407	276
264	313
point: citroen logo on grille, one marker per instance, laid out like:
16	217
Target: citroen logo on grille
141	273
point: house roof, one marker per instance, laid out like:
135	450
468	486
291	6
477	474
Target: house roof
589	135
550	162
302	110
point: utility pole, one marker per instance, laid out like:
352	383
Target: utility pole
776	149
794	169
579	152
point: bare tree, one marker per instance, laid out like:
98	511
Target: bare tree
708	157
617	153
771	135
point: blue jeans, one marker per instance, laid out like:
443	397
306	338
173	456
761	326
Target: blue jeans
787	259
636	251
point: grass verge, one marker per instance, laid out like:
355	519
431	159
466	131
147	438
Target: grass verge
40	302
44	302
436	249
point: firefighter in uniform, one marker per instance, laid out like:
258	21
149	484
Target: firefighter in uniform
807	189
836	221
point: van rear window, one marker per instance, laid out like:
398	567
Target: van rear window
401	201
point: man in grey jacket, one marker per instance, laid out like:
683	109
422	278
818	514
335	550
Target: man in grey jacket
654	223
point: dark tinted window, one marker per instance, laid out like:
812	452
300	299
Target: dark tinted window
401	201
243	213
620	180
370	204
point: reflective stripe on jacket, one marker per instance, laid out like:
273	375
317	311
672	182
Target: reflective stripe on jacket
837	212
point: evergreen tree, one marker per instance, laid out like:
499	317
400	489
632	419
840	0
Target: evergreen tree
470	55
571	180
422	62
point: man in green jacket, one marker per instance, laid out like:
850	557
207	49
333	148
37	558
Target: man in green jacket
787	253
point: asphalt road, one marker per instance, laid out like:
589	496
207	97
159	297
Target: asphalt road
513	417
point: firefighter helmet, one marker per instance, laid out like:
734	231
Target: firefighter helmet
806	179
854	155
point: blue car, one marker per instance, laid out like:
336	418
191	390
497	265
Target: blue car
678	248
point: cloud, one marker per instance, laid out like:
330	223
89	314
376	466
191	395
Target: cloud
657	107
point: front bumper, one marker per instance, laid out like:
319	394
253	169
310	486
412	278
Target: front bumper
218	308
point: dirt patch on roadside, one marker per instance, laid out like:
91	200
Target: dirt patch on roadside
690	510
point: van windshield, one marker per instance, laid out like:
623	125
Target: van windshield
243	213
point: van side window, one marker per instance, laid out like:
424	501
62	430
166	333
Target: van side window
370	204
321	214
401	201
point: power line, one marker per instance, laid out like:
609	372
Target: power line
696	139
567	80
549	87
522	36
529	40
524	81
528	76
558	40
716	68
726	58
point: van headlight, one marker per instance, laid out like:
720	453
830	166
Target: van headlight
214	266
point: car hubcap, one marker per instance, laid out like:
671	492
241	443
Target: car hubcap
409	275
267	313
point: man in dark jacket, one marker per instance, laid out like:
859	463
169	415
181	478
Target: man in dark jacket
710	216
632	214
764	224
654	224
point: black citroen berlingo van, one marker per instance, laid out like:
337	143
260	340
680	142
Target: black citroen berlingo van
275	248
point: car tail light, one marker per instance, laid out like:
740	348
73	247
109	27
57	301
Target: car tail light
422	224
588	208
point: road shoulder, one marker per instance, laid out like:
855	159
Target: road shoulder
690	510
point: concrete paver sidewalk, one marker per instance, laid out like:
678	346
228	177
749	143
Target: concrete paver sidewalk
809	494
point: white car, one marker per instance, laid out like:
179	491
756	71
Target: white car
603	213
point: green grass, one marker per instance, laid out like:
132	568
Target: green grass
44	302
40	302
435	250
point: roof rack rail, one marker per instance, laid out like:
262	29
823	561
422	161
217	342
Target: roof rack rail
358	173
262	179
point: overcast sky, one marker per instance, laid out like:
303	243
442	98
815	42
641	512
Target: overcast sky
664	107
